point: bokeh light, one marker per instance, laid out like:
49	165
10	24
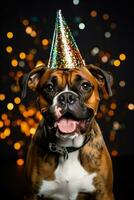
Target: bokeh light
10	106
94	51
9	49
33	33
17	146
122	83
131	106
1	124
105	16
17	100
7	132
122	57
20	162
114	153
75	2
22	55
2	97
25	22
117	63
45	42
107	34
81	26
14	62
93	13
10	35
28	29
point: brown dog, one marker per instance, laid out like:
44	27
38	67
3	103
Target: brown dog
67	157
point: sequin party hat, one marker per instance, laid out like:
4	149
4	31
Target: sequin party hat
64	52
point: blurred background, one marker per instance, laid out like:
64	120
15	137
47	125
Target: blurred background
103	31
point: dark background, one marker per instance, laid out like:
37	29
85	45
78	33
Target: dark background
41	16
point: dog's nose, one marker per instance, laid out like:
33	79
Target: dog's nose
67	98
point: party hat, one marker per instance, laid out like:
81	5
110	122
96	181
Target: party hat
64	52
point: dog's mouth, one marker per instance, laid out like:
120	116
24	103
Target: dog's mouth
70	125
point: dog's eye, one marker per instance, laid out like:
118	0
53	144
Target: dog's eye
49	87
86	86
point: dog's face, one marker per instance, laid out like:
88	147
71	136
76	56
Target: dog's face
69	97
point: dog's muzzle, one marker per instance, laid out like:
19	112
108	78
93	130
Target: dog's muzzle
72	116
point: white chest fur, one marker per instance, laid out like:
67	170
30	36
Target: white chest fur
70	179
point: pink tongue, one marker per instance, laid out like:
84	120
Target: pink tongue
67	125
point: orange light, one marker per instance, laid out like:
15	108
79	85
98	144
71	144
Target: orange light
9	35
7	122
1	124
33	34
45	42
9	49
32	131
20	162
22	55
14	62
4	116
39	116
39	62
28	30
2	97
114	153
117	63
93	13
22	108
30	57
18	122
131	106
122	57
31	112
110	113
2	136
25	128
113	106
25	114
31	121
7	132
17	146
17	100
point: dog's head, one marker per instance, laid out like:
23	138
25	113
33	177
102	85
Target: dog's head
68	98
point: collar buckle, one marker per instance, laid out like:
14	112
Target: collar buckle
58	149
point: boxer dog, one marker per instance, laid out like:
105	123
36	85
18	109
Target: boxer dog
67	158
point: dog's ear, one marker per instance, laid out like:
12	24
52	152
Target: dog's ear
104	79
30	80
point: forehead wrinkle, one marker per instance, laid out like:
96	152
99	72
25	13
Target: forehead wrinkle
83	74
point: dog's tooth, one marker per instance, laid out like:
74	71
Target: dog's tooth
55	124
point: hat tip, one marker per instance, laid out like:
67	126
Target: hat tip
59	11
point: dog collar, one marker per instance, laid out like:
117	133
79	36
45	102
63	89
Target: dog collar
64	151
